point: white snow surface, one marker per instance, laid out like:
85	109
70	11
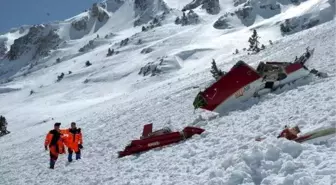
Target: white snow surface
115	102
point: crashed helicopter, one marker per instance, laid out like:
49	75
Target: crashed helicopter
243	82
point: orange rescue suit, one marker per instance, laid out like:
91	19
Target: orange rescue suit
73	138
54	140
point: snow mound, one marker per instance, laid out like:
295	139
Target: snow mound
162	65
283	162
192	54
92	44
8	89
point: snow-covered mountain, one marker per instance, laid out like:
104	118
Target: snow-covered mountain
147	65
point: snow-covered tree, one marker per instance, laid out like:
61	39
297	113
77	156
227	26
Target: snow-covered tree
184	19
60	77
254	43
216	73
110	52
87	63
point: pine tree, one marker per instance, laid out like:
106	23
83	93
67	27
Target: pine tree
155	21
87	63
60	77
184	19
110	52
214	70
254	43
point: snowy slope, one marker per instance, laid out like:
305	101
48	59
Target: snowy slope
111	103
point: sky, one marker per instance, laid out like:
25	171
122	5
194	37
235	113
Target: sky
14	13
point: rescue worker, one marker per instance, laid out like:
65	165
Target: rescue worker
290	133
74	141
55	141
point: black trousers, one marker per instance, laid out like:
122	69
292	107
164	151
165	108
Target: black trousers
71	151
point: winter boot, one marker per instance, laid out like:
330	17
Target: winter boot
52	164
70	157
78	156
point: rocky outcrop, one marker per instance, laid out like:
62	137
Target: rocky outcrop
80	24
222	23
211	6
99	12
164	64
89	46
293	25
96	12
147	50
247	11
147	10
238	2
21	29
39	41
189	19
112	5
244	12
326	13
3	48
156	22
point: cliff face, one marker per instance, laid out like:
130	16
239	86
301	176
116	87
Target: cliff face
112	5
146	10
97	12
3	47
38	42
211	6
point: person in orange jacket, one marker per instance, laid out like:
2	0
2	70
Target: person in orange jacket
55	141
74	141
